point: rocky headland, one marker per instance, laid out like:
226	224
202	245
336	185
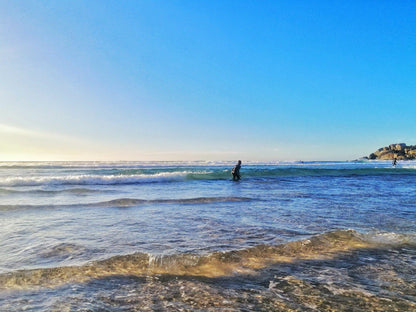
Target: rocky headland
401	151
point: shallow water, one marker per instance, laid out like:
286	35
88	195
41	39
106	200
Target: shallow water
178	236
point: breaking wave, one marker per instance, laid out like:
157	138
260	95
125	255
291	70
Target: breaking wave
93	179
137	176
246	261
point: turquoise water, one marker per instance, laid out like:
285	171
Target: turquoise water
175	236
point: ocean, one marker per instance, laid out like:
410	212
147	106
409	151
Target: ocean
182	236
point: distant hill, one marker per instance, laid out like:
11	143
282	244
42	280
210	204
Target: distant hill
400	151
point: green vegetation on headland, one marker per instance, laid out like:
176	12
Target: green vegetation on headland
400	151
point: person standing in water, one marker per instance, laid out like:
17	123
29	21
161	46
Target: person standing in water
394	162
236	171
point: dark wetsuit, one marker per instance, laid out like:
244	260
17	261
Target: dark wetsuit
236	172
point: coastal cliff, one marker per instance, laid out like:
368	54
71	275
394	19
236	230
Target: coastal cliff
400	151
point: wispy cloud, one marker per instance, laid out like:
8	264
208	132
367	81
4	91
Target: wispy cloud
6	129
29	133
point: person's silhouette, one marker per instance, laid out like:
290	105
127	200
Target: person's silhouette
236	171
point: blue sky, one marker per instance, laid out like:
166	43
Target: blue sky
205	80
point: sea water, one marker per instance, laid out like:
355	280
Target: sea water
182	236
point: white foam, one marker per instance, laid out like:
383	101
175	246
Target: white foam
390	238
92	179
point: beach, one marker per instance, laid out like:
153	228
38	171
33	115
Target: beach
182	236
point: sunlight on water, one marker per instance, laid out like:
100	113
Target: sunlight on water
317	236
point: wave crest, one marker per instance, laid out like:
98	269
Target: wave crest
87	179
246	261
131	202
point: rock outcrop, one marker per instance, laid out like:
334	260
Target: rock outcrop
401	151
